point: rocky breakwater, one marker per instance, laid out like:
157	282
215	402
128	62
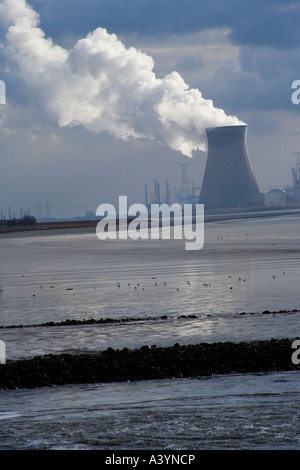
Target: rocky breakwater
149	363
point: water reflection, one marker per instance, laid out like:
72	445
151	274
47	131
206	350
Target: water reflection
245	266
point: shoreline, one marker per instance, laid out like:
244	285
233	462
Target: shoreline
149	363
210	216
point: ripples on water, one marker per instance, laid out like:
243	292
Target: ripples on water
60	275
252	411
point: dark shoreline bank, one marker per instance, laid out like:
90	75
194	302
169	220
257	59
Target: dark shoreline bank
149	363
210	216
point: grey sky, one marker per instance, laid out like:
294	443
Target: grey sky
242	55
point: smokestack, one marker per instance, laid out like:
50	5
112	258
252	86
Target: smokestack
228	179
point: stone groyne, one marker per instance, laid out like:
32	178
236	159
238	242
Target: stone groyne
149	363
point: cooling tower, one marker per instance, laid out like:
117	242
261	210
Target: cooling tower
228	178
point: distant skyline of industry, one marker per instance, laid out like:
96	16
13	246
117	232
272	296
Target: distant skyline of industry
80	127
156	192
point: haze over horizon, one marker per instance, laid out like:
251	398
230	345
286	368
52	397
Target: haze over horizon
101	99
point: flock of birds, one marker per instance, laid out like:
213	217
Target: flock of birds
188	283
156	284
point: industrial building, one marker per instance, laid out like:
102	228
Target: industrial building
293	192
228	180
275	198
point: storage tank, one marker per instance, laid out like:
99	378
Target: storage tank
228	179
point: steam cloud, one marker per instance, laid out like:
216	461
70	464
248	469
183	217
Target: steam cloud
103	86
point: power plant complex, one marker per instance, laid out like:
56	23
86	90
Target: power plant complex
229	180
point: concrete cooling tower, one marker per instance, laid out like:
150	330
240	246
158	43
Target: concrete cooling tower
228	178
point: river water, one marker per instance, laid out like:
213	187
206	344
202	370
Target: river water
245	267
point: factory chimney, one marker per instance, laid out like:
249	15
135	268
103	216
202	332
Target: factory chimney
228	178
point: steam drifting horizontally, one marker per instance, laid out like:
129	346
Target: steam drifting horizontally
103	86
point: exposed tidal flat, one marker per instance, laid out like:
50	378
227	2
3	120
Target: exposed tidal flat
144	345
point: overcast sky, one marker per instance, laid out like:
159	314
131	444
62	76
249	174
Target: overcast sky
242	55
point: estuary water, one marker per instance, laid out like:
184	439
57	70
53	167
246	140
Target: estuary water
167	295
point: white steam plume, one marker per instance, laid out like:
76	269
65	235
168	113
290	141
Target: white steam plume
103	86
